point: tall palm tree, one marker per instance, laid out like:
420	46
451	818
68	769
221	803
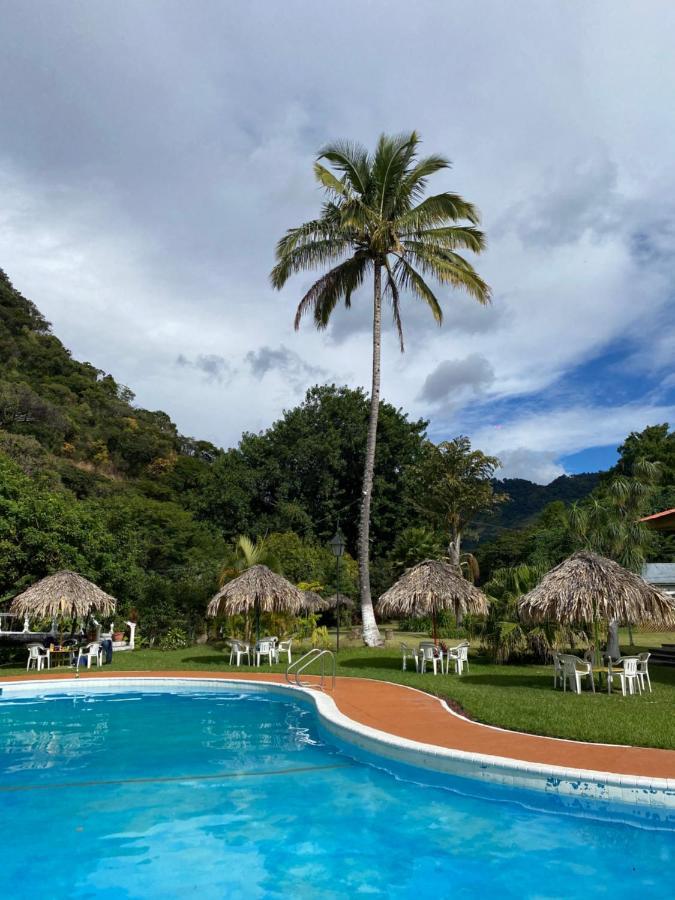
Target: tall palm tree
374	221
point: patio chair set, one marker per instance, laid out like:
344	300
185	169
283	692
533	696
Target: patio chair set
632	672
41	657
437	657
267	648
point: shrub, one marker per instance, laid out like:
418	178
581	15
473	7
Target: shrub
446	626
174	639
307	625
321	639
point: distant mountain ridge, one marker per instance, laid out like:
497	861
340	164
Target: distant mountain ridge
527	499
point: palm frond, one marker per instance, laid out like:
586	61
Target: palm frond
352	159
391	288
412	187
450	237
392	159
438	210
409	279
448	268
326	178
337	284
309	255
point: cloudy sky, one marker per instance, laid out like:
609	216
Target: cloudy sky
152	152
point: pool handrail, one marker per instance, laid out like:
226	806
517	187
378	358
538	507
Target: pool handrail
296	669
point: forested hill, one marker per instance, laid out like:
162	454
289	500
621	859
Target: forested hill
72	410
527	499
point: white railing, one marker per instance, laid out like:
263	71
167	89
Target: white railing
295	669
7	621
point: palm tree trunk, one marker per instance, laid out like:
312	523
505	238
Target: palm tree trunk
455	560
455	551
371	634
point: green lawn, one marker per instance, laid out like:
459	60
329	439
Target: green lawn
519	697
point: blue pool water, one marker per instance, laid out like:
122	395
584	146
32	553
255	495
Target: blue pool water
239	795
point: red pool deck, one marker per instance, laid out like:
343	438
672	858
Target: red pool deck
412	714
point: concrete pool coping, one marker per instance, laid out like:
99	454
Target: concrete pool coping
413	727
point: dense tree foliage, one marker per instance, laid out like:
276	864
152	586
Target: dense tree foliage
451	486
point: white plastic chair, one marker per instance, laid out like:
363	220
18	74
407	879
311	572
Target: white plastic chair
574	670
239	650
628	674
283	647
91	652
37	656
558	673
430	653
460	656
408	653
264	648
643	670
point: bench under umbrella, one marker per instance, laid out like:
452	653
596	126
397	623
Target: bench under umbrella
429	588
257	589
589	588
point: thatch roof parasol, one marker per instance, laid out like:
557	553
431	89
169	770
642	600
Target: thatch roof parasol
345	602
314	602
430	587
63	594
587	588
257	588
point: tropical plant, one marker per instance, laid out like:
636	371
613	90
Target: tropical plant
374	221
321	639
244	555
608	522
452	484
306	625
503	635
174	639
414	545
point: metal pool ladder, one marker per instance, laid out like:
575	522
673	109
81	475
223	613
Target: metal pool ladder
295	669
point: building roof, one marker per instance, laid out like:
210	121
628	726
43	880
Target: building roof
659	573
662	521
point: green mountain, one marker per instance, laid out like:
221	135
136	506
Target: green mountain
527	500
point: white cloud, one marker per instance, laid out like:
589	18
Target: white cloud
143	194
568	430
452	378
538	466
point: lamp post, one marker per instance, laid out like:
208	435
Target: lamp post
337	546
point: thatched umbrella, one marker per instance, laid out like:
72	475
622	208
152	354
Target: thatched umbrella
429	588
63	594
345	601
587	587
258	589
314	602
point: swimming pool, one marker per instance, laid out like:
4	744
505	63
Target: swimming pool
241	792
